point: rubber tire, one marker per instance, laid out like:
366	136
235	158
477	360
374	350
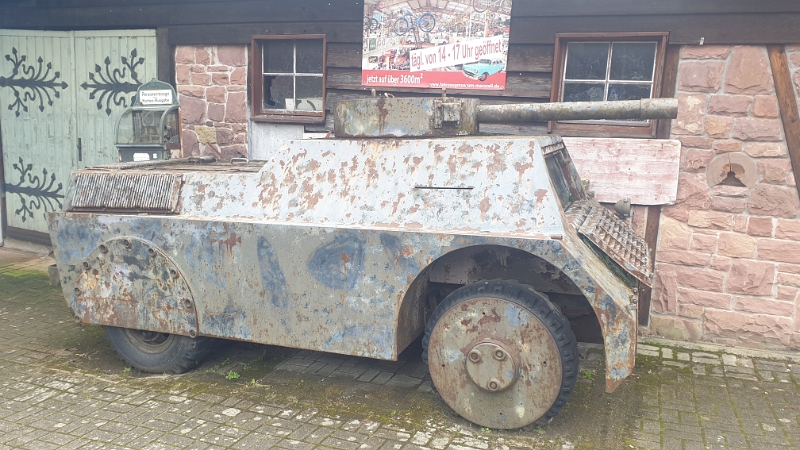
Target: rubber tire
537	304
483	77
181	354
401	26
431	23
480	5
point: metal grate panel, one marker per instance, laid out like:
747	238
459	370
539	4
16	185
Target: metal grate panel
127	192
615	238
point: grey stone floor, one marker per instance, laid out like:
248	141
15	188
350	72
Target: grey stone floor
61	386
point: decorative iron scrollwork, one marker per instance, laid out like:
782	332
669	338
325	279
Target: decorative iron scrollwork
30	84
34	193
110	84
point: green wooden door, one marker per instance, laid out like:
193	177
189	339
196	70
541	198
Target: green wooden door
37	123
111	66
60	96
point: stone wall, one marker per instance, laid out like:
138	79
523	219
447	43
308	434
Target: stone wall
212	86
728	259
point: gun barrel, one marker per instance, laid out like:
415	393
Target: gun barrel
651	108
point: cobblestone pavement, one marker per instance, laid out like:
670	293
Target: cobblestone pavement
61	386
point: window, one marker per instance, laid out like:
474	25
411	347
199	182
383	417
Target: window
289	78
607	68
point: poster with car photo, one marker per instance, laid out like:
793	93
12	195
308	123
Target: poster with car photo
457	44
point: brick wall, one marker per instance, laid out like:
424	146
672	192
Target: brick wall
728	259
212	87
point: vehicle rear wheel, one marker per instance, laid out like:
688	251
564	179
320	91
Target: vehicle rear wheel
501	355
150	351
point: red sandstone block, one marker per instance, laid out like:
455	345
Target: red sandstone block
731	205
705	51
722	263
690	311
704	298
774	171
788	229
766	149
748	326
704	243
736	245
665	289
779	250
787	293
705	76
751	129
766	106
760	226
751	277
731	105
702	279
727	146
749	71
764	306
776	201
710	219
684	258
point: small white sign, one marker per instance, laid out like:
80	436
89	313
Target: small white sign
156	97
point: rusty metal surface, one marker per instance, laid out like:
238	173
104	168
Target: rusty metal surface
405	117
130	283
649	108
614	237
126	191
506	392
329	245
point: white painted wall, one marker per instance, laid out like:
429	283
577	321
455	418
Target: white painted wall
266	138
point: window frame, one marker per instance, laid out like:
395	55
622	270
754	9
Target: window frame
257	70
613	129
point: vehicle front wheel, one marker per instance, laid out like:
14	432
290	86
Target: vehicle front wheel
501	354
484	76
150	351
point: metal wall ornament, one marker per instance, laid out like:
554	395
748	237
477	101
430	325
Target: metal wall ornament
110	84
31	82
35	193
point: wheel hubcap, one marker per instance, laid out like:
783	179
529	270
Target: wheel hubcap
149	341
491	367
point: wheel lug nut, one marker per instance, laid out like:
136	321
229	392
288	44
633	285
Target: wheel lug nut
493	385
475	356
499	355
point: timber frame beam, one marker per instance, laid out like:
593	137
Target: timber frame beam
788	106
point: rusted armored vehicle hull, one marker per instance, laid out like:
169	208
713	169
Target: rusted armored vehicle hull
359	247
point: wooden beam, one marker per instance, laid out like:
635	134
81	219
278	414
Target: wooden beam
651	238
787	102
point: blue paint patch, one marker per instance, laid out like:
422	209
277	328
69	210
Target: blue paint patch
516	316
272	279
405	263
368	340
229	323
203	258
75	240
339	264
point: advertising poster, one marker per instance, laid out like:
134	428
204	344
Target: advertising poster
455	44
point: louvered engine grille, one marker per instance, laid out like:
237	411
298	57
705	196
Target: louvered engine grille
614	237
127	192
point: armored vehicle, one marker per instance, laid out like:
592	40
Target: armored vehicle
361	244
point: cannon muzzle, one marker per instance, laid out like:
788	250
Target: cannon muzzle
444	117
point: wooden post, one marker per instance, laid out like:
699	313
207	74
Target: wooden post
787	103
670	79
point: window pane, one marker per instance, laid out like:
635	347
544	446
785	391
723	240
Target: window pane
632	61
628	91
279	56
586	61
309	55
583	92
309	93
278	92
